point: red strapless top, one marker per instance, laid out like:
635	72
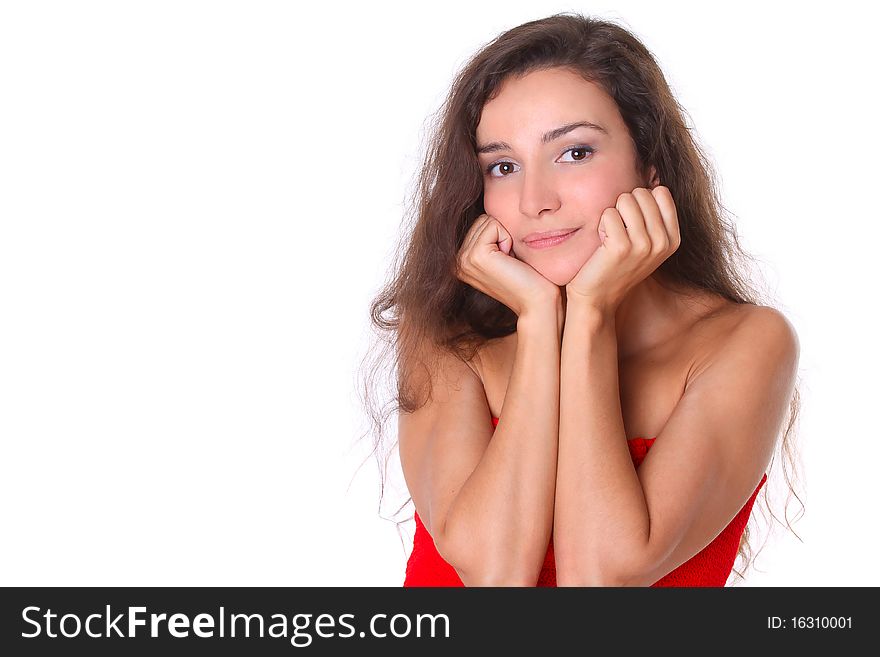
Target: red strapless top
709	567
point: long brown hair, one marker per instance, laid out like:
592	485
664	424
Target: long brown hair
424	301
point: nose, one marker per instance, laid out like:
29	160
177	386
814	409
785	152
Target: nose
538	193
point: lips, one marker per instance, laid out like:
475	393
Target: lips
538	237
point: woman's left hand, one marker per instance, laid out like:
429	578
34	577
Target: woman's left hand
637	235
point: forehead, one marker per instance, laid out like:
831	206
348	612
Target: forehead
545	99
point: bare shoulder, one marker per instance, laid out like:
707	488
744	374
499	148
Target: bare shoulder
764	326
748	332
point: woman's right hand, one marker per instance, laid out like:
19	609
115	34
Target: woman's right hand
485	263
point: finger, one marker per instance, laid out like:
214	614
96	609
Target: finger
473	234
506	245
654	224
631	215
667	210
506	241
502	238
615	232
495	234
477	227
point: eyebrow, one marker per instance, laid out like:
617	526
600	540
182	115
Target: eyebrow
548	137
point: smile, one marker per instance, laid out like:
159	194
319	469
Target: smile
550	241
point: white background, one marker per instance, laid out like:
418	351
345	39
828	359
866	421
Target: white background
198	201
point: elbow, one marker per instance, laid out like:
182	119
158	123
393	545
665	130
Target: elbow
494	577
570	577
564	579
479	567
580	573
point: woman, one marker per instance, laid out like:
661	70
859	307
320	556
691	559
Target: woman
570	280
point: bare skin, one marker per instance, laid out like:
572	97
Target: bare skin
709	378
533	187
654	374
603	352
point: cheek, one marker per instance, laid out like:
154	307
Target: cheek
498	203
504	207
593	196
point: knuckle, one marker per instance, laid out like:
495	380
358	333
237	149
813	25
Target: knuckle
621	248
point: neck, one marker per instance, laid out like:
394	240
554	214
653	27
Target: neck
649	315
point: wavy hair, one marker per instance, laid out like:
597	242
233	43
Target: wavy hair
423	300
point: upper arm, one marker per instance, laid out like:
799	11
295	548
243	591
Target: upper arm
442	442
716	445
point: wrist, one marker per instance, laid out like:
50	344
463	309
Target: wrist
600	304
544	315
584	312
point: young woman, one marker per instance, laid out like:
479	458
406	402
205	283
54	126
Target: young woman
588	392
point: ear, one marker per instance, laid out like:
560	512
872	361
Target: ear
653	177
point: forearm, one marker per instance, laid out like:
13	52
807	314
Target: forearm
600	512
501	520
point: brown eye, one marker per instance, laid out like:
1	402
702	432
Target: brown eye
505	167
579	153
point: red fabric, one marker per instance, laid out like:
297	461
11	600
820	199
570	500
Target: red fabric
710	567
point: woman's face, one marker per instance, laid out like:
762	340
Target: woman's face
565	182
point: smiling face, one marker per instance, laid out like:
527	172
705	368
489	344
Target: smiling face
535	185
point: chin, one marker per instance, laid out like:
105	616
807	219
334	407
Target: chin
561	276
563	270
